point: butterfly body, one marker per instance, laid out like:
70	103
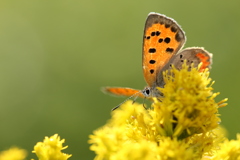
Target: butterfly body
162	40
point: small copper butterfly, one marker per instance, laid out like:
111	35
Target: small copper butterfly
162	40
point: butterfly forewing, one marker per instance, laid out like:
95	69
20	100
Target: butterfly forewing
162	39
122	91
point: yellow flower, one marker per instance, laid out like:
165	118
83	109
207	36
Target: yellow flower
207	144
184	124
13	153
188	106
229	150
171	148
50	149
136	151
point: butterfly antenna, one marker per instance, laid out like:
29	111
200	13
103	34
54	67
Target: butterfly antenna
134	95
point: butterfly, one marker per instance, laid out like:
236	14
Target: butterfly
163	39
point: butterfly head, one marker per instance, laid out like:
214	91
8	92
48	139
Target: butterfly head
150	92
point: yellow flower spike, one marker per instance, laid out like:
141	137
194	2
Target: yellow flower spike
181	125
50	149
189	98
13	153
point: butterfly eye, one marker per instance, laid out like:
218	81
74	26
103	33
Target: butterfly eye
146	92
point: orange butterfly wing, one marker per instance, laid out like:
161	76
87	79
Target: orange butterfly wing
120	91
162	39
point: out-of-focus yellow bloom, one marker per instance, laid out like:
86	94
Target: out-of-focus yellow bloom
207	144
184	124
229	150
13	153
50	149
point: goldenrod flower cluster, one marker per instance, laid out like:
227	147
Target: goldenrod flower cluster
50	149
13	153
182	125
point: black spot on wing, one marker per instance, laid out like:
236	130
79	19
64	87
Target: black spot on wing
169	50
152	71
167	40
160	40
152	50
152	61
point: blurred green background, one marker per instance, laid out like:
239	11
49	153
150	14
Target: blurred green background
56	54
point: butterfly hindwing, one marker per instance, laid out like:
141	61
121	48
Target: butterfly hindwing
195	55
